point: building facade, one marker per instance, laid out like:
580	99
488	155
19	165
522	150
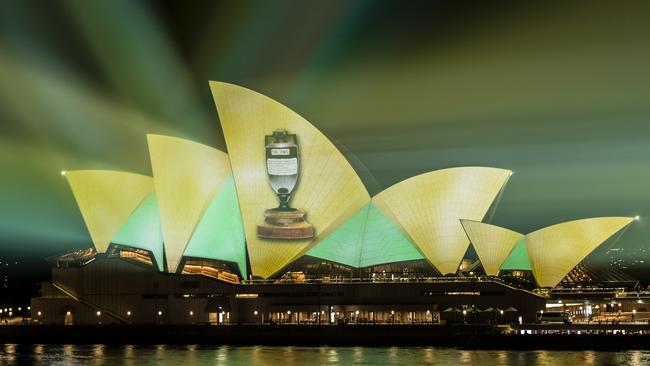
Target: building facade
282	229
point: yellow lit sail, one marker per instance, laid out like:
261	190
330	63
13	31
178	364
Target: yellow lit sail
493	244
328	189
106	199
555	250
429	207
187	175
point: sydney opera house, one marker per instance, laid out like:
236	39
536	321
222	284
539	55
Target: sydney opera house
281	229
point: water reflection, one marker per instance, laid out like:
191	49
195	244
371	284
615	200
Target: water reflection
332	356
129	355
294	356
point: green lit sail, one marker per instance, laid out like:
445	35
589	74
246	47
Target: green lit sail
368	238
384	242
219	234
518	258
142	230
345	243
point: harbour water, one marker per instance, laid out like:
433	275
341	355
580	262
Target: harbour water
290	356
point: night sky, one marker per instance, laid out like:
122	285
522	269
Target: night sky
559	92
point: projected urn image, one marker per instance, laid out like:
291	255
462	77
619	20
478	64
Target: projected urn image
283	222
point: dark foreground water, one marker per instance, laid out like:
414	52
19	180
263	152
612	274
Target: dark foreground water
290	356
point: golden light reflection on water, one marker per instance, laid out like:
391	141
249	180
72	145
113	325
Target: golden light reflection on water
9	354
542	357
332	355
428	355
502	357
392	353
358	354
465	358
129	355
589	358
636	358
39	350
294	356
68	351
98	351
222	355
